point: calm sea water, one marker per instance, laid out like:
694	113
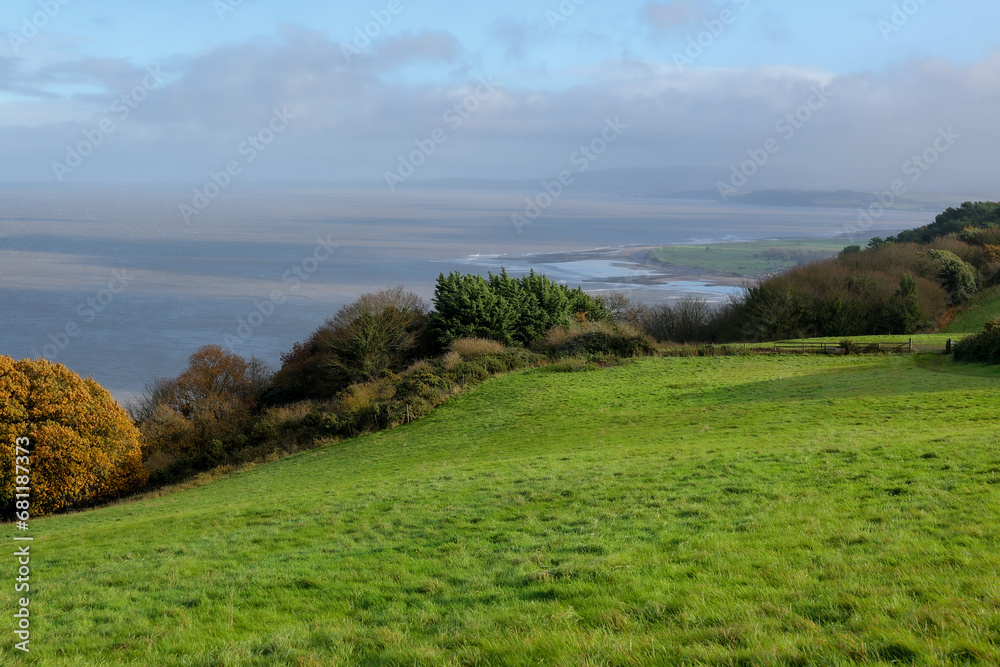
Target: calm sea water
114	284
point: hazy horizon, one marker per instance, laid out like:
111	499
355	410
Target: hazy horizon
854	95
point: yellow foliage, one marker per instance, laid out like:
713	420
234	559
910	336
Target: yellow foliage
84	447
993	251
476	348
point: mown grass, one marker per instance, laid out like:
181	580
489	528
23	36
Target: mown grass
983	308
745	259
716	511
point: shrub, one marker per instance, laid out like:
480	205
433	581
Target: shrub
596	338
451	359
84	447
475	348
398	399
981	348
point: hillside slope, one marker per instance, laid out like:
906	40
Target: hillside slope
982	308
714	511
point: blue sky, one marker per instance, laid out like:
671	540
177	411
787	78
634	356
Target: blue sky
902	71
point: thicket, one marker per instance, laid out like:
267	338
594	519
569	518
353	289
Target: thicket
888	288
389	401
83	447
595	339
689	320
978	215
981	348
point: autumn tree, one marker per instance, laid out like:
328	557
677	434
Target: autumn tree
204	413
84	448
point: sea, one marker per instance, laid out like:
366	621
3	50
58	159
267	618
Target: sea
117	284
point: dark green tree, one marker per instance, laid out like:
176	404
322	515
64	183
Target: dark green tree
512	311
960	279
902	315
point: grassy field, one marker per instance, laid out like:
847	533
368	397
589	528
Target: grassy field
751	258
715	511
983	308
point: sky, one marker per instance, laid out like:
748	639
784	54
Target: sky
855	94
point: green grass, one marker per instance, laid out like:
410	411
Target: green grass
715	511
983	308
744	259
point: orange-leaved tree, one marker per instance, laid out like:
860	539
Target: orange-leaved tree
84	448
204	415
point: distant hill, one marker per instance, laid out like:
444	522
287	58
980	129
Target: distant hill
699	183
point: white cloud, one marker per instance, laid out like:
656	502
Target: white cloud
355	118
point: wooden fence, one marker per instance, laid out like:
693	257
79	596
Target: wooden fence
838	348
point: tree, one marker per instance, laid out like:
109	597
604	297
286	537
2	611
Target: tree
206	411
686	321
84	448
512	311
622	310
380	333
903	314
959	279
375	334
